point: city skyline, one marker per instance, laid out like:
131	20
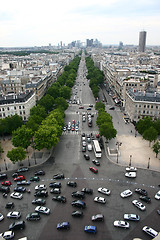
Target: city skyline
37	23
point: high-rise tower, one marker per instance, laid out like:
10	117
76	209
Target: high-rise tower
142	41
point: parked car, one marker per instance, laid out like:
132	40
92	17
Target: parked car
63	225
139	205
83	149
122	224
90	229
79	204
97	217
104	191
22	169
55	190
111	108
35	179
6	183
100	200
59	198
130	174
126	193
24	182
72	184
78	194
39	173
9	205
16	195
17	225
19	178
92	169
87	190
131	169
150	231
58	176
40	187
14	214
96	162
145	199
20	189
141	191
41	193
157	195
33	216
55	185
1	217
39	201
86	156
7	235
77	213
44	210
3	176
132	217
4	189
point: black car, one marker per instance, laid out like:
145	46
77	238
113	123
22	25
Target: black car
39	173
58	176
3	176
33	216
55	185
41	193
111	108
55	190
87	190
79	204
35	179
24	182
96	162
78	194
9	205
4	189
77	213
72	184
39	201
86	156
22	169
141	191
17	225
83	148
59	199
20	189
15	174
145	199
83	134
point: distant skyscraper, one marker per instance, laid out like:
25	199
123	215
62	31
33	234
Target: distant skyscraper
142	41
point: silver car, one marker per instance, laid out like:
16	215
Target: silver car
131	216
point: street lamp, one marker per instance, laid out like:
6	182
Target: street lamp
130	160
29	162
148	162
5	164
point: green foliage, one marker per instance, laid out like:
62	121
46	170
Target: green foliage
150	134
156	148
103	117
38	110
144	124
99	105
16	154
65	92
61	103
22	137
107	130
156	125
47	102
9	124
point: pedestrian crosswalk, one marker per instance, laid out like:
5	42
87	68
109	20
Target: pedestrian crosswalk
79	132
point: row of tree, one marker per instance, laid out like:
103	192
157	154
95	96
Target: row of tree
44	126
95	76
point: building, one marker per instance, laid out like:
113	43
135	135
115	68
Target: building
142	41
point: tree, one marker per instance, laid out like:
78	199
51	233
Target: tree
156	125
150	134
99	105
16	154
65	92
144	124
38	111
108	131
54	91
156	148
61	103
22	137
47	102
103	117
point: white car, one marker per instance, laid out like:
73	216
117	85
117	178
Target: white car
150	231
41	187
126	193
1	217
100	200
131	169
7	235
42	209
131	216
89	147
104	191
16	195
122	224
130	174
77	128
157	196
14	215
139	205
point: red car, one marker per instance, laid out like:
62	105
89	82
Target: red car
95	170
19	178
6	183
81	107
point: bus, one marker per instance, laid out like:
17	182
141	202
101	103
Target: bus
97	149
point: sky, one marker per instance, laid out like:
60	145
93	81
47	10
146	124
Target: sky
38	22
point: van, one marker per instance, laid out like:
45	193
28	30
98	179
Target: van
89	147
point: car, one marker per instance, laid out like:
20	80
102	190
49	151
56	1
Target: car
19	178
7	235
24	182
131	169
111	108
40	187
44	210
150	231
89	108
58	176
39	201
121	223
84	144
78	194
86	156
104	191
15	174
98	218
141	191
139	205
83	134
22	169
17	225
87	190
81	107
64	129
100	200
89	147
33	216
20	189
96	162
4	189
1	217
131	216
3	176
77	214
73	129
63	225
157	195
35	179
55	190
39	173
14	214
130	174
88	139
126	193
59	198
16	195
55	185
72	184
9	205
97	135
79	204
41	193
158	211
92	169
6	183
90	229
77	128
145	199
83	149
